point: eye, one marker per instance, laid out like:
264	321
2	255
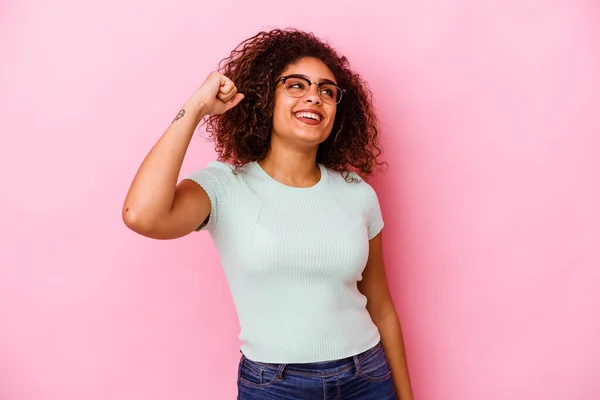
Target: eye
328	91
295	84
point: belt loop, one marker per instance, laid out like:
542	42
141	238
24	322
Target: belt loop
356	364
280	370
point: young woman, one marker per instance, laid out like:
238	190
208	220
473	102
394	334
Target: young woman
297	228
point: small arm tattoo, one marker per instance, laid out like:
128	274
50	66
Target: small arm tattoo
180	115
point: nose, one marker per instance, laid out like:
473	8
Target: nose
312	96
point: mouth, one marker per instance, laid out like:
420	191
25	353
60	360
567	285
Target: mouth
309	117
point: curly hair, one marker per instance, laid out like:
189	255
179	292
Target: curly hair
243	133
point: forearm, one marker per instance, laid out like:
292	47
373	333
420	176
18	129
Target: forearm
152	190
393	345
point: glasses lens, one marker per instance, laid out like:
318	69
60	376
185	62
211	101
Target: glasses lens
329	93
296	87
299	87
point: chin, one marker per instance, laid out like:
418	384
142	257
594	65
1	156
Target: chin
311	137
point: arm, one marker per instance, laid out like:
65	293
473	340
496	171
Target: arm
155	205
383	313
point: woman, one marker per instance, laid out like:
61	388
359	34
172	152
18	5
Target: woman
297	228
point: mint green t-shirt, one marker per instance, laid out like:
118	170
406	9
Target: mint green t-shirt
292	258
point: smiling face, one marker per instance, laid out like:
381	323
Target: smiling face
305	120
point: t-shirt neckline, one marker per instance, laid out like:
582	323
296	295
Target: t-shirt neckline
317	186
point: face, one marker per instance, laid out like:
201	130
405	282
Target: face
305	120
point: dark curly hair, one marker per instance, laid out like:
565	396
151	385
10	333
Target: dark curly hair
243	133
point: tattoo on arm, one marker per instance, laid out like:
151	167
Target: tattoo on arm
180	115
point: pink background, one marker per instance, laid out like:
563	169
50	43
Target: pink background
490	110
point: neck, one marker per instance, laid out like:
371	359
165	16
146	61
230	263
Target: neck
292	167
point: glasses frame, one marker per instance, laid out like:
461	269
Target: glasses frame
284	78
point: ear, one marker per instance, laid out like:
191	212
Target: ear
271	107
342	121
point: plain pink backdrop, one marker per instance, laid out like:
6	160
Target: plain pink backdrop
490	114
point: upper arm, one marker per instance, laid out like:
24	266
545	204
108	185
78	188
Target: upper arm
191	207
197	202
374	284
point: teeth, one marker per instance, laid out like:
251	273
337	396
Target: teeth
308	115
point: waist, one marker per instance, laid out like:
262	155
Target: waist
320	368
291	338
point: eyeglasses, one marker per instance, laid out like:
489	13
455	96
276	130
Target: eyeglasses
299	86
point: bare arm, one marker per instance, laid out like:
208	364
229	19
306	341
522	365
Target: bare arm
383	313
156	206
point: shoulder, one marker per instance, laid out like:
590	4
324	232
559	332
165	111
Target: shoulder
219	167
215	176
351	190
350	183
215	170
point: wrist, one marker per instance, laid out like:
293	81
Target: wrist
195	109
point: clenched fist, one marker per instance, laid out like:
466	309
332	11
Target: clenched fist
217	94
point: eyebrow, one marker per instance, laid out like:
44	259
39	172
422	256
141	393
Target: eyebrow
307	78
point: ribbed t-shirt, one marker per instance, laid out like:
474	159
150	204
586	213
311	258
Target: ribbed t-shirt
292	258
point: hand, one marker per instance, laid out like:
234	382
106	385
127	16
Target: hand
217	94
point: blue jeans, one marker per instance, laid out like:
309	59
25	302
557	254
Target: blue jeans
365	376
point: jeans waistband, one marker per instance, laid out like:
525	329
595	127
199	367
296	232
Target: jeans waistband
320	368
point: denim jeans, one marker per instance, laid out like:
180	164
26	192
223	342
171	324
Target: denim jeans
365	376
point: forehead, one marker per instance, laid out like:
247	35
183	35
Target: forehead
313	68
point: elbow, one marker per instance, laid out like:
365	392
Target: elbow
146	224
137	221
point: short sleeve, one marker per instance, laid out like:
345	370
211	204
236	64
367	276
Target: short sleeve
215	179
374	216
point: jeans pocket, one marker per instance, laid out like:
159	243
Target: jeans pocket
375	366
254	374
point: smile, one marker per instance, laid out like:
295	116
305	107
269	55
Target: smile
310	118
